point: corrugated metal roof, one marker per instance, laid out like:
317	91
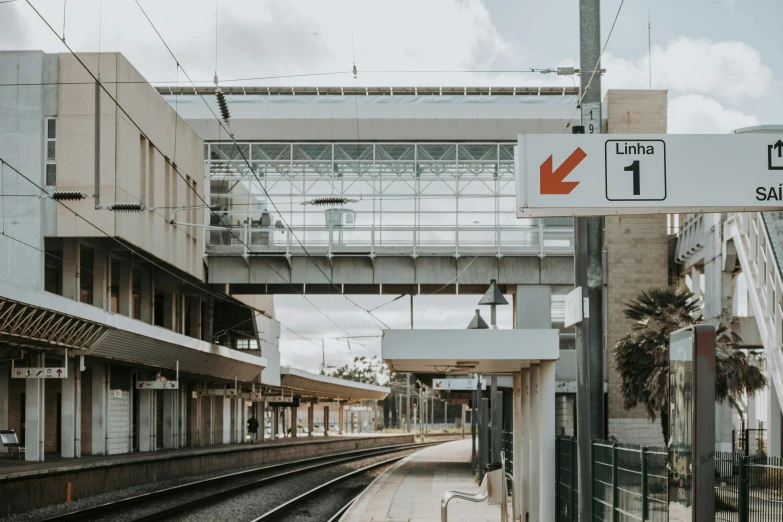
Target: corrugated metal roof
311	384
204	359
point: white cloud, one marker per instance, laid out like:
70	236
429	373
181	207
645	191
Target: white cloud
696	114
271	37
730	69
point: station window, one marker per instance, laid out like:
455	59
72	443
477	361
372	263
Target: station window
51	151
246	344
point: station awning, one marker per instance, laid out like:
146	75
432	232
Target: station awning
467	351
36	319
309	384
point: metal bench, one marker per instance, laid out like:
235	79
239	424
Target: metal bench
11	441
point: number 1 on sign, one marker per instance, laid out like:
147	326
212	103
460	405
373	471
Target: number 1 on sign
634	167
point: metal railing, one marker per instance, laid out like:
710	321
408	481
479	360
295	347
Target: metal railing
630	483
533	240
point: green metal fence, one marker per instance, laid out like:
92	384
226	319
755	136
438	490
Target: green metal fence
629	483
566	478
748	488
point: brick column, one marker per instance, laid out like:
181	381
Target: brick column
637	259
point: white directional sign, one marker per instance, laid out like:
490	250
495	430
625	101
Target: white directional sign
157	385
573	307
456	384
39	373
583	175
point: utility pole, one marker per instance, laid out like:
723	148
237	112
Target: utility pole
588	268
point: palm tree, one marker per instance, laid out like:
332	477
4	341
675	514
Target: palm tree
642	356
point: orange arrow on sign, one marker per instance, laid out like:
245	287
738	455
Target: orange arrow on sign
552	182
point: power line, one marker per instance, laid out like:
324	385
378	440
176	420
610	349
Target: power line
125	247
174	165
247	162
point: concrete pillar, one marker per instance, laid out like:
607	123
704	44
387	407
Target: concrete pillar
774	434
184	422
261	407
534	462
125	296
532	310
519	433
275	423
546	441
147	419
170	311
99	406
533	306
310	419
206	320
147	298
497	445
195	317
239	418
483	442
524	455
294	412
226	438
34	418
326	421
71	263
340	417
5	377
100	279
170	420
68	409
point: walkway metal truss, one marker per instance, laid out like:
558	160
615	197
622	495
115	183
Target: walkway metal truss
30	326
765	285
406	199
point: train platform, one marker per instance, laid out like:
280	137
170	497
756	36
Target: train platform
28	485
411	490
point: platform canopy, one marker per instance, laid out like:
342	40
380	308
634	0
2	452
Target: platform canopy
306	384
467	351
44	321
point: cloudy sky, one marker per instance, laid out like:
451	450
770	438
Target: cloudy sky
720	60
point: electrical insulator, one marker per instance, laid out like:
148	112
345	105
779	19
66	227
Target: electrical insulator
126	207
330	200
68	195
221	100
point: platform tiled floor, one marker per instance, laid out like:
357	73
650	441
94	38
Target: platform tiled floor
411	490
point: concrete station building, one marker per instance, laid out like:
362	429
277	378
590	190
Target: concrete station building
103	299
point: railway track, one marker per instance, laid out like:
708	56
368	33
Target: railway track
220	489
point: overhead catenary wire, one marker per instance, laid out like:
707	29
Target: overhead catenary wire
260	185
174	167
3	233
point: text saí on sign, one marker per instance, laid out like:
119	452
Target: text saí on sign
634	148
770	194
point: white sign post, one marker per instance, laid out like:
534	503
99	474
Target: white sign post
157	385
457	384
584	175
574	307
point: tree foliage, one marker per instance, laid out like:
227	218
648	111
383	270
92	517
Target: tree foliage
368	370
642	356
